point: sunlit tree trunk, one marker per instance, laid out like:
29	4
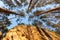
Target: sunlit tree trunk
23	32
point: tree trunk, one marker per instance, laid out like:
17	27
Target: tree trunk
23	32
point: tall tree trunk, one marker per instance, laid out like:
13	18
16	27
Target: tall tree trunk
30	32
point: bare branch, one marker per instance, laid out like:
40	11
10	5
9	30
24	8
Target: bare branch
39	13
32	4
8	11
51	10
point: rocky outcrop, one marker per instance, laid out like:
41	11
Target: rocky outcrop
23	32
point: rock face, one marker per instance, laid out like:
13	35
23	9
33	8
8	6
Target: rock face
23	32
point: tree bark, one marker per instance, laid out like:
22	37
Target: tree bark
30	32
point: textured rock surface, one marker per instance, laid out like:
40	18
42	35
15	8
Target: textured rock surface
23	32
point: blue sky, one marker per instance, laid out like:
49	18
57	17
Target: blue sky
23	8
